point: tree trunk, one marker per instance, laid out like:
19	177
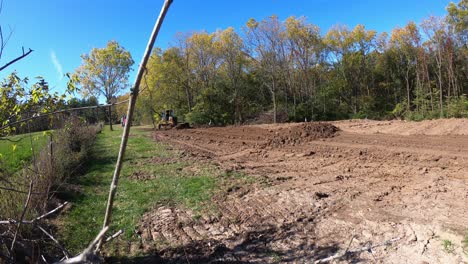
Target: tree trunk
189	100
273	98
110	117
408	94
439	67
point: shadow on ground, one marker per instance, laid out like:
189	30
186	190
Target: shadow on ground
256	247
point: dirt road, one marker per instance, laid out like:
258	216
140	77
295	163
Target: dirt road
389	192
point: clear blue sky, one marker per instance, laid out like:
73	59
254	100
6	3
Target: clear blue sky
59	31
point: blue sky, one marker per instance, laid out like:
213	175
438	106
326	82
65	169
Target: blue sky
59	31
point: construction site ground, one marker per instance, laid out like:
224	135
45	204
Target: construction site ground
343	192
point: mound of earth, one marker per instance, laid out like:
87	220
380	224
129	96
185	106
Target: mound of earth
303	132
438	127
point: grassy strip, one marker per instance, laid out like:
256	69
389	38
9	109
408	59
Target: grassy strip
16	153
165	184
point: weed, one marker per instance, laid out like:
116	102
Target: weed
449	247
465	244
275	256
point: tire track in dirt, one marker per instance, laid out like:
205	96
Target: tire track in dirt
320	193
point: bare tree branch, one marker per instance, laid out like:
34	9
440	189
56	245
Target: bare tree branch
43	259
65	252
50	212
18	191
22	217
15	60
6	222
3	40
114	235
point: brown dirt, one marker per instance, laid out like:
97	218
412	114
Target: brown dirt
319	195
302	133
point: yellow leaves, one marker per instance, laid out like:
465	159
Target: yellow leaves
338	37
252	23
342	39
359	33
299	29
14	147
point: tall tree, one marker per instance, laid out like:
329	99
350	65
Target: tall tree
404	40
306	50
265	42
457	16
230	47
104	72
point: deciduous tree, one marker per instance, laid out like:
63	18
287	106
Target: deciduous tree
104	72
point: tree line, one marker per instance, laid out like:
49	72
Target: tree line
292	71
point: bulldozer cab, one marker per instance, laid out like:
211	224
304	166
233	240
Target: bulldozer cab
168	119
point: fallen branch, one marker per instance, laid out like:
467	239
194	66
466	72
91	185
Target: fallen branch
50	212
366	248
65	252
114	235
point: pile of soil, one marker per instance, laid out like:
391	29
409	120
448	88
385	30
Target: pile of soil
303	132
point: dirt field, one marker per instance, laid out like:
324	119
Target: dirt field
383	192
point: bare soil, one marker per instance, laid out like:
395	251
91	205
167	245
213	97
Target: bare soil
377	191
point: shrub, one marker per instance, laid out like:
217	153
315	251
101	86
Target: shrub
457	107
51	167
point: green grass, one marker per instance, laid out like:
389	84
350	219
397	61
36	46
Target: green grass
465	244
449	247
168	185
16	153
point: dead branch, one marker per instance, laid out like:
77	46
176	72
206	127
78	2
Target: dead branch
65	252
17	59
88	255
11	221
43	259
366	248
131	107
22	217
3	40
50	212
114	235
18	191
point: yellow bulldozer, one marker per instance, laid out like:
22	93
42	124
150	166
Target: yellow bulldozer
168	120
